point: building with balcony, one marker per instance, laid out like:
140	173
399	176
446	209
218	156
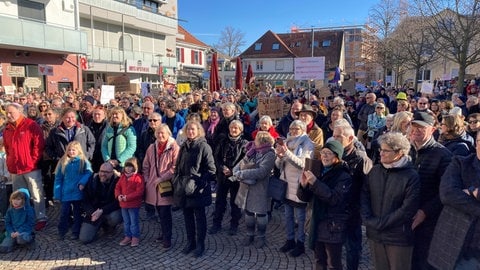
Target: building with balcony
129	38
39	45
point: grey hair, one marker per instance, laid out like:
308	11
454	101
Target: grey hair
156	114
345	127
397	141
267	119
237	123
16	106
338	101
300	124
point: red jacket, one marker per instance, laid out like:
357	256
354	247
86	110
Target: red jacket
133	188
24	144
271	130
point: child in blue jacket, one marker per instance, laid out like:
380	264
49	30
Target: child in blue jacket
19	222
71	175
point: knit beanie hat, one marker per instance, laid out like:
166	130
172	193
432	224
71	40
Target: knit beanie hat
336	147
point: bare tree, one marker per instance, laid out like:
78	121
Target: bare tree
414	46
454	25
384	18
230	41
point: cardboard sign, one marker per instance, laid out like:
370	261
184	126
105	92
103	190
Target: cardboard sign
16	71
121	83
272	106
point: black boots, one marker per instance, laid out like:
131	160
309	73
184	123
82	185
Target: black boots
298	250
189	248
289	245
199	250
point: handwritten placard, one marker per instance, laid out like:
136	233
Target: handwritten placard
274	107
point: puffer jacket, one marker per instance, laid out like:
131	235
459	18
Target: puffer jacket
254	180
430	162
159	169
328	204
67	180
21	219
195	162
389	200
125	144
292	164
24	145
57	141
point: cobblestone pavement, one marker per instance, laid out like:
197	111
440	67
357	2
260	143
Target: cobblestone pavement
222	251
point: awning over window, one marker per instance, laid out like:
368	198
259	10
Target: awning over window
274	76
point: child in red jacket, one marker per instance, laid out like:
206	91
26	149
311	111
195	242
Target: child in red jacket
129	192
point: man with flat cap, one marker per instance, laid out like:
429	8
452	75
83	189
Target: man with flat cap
314	132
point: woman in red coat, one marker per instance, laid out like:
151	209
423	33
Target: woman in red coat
266	124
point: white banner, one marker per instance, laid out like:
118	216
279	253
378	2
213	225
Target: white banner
309	68
107	94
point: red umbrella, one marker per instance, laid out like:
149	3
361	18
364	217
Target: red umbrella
214	85
239	74
249	74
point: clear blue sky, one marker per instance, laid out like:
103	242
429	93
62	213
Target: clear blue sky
206	19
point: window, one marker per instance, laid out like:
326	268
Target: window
259	65
196	58
125	43
275	46
31	10
258	46
298	43
315	44
279	65
326	43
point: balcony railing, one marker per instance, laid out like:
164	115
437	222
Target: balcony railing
130	8
32	34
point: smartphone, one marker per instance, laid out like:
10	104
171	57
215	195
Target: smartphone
280	141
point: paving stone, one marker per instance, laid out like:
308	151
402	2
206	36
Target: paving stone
222	250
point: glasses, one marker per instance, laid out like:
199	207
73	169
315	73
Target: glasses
153	120
327	154
147	108
106	171
473	121
380	108
386	151
422	103
43	105
294	128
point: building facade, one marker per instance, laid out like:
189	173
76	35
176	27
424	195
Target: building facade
40	44
129	39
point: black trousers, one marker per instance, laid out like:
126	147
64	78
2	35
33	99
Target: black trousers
195	224
224	188
328	256
165	215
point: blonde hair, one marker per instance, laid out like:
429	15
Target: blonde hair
17	194
65	159
264	137
126	121
201	131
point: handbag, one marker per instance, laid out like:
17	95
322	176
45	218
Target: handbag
165	188
277	188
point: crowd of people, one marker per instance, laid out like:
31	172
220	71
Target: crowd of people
402	163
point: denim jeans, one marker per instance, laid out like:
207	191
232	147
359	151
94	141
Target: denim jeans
22	239
131	222
33	182
64	223
290	212
89	229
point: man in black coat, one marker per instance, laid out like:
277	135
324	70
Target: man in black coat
99	202
430	158
359	165
284	124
